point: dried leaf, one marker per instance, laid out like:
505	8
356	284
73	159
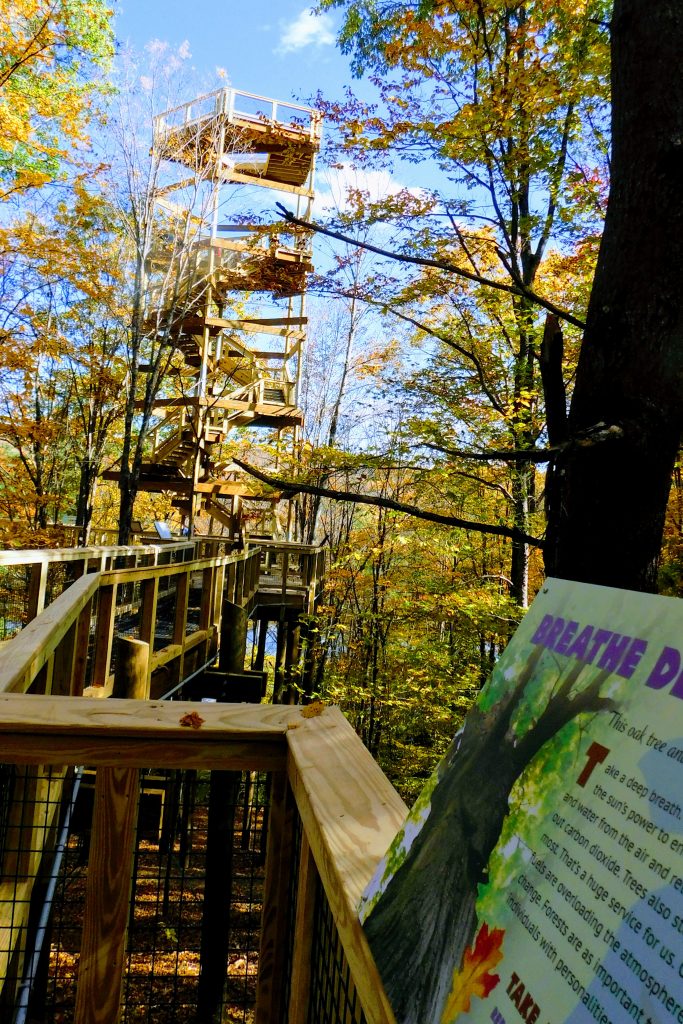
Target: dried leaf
475	977
192	720
312	710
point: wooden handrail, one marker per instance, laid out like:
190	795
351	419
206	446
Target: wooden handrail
348	809
24	656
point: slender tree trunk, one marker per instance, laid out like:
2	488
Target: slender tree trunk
607	517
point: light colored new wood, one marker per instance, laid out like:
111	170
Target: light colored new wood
24	656
131	678
100	969
302	948
350	813
273	945
74	730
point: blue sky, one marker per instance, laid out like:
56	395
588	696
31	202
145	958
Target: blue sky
276	49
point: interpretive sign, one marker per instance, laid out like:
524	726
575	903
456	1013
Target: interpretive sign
539	876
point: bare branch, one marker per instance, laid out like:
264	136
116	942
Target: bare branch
292	487
424	261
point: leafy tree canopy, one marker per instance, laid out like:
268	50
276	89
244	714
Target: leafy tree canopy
52	57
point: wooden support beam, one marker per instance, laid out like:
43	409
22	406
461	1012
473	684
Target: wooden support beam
109	881
36	589
302	943
132	673
270	990
335	779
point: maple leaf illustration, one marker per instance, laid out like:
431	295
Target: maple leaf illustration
474	977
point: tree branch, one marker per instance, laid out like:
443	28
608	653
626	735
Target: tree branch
423	261
292	487
599	434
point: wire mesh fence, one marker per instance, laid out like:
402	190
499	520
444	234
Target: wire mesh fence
333	997
195	906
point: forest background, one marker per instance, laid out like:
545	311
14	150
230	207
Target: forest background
442	343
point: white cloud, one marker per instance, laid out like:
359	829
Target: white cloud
332	188
307	29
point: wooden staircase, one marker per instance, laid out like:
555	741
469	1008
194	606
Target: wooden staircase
240	326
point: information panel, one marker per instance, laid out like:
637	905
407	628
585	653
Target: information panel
539	876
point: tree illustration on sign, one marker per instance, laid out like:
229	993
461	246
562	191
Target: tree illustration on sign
424	919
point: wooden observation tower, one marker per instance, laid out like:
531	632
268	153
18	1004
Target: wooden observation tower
227	292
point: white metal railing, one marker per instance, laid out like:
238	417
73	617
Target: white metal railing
241	106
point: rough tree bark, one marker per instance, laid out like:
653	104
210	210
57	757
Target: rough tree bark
607	514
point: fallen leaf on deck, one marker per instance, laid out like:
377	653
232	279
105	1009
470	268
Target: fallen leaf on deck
313	709
192	720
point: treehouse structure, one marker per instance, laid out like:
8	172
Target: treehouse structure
226	294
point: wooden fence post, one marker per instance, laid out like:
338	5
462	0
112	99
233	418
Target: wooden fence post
110	873
270	987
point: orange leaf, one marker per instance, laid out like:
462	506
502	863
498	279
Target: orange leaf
474	977
192	720
313	709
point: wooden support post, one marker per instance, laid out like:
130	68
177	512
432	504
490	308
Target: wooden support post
104	634
131	675
181	603
308	636
270	986
36	589
81	659
233	638
110	872
261	646
300	988
64	663
205	610
148	611
215	940
292	675
280	653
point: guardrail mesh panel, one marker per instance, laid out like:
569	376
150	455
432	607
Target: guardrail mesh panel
334	999
195	911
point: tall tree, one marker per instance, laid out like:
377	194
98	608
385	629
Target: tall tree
54	53
607	517
508	99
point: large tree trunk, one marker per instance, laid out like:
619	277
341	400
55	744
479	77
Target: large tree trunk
606	520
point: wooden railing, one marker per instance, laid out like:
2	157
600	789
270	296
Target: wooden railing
325	784
289	569
72	563
323	780
54	653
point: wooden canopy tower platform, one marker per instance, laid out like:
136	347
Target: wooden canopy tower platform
227	292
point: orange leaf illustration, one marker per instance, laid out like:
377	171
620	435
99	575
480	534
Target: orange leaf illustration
474	977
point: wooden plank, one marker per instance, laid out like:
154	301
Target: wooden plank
144	572
350	813
100	970
274	920
148	611
81	661
36	589
300	985
222	723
